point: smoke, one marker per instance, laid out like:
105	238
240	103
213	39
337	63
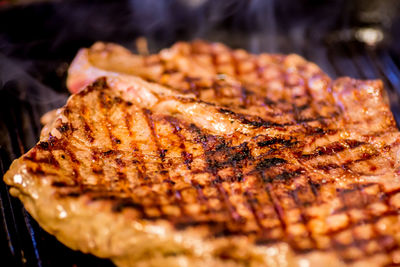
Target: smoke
24	87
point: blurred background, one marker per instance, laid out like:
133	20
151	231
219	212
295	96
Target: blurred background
38	40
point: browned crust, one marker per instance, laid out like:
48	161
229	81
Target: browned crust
327	194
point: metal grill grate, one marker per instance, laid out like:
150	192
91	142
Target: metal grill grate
24	97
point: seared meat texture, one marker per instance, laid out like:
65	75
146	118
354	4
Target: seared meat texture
279	89
146	176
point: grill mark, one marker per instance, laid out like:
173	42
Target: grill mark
357	188
280	141
256	122
88	131
212	170
250	205
304	218
75	162
346	166
268	163
385	197
142	167
238	172
164	171
106	103
333	148
365	201
277	208
187	157
346	211
200	195
50	159
57	144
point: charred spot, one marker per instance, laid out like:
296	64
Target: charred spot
116	140
224	232
43	145
63	156
73	194
109	152
315	186
187	157
105	100
327	166
201	138
63	128
221	146
238	177
226	111
353	143
315	131
310	119
98	171
88	131
279	141
162	153
117	100
266	241
100	83
126	203
285	176
128	103
214	165
121	175
269	163
59	184
120	162
241	154
303	107
168	181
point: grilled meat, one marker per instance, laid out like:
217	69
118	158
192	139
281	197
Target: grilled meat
279	89
146	176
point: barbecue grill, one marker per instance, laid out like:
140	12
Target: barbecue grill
37	42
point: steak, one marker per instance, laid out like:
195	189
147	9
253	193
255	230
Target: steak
148	176
279	89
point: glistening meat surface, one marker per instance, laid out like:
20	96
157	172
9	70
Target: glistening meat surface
141	174
279	89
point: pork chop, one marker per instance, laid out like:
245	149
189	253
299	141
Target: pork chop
138	173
